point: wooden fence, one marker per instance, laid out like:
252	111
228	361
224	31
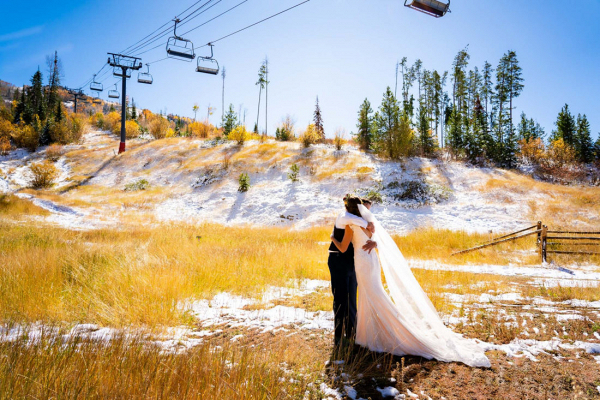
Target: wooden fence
547	238
567	238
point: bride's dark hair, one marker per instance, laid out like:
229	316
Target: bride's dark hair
351	203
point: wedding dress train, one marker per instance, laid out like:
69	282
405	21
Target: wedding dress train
404	322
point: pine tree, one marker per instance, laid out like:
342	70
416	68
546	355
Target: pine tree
459	78
515	81
262	79
509	151
230	121
487	89
54	75
426	141
584	146
365	125
455	130
388	124
597	149
36	98
20	107
133	110
318	121
565	127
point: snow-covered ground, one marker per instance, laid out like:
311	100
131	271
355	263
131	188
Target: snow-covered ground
196	187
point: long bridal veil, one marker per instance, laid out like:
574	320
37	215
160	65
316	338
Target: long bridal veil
416	309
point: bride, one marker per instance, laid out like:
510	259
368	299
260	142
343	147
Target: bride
404	322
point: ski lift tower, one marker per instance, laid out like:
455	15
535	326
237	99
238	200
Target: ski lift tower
75	93
122	67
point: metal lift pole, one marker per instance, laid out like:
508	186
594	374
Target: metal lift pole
123	110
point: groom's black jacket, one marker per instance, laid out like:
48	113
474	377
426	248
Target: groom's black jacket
348	256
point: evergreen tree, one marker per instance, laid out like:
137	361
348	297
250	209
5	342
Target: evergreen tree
509	151
597	149
318	121
487	89
459	78
455	130
502	91
230	121
391	138
426	142
54	75
584	146
565	127
20	107
365	125
36	98
514	82
133	110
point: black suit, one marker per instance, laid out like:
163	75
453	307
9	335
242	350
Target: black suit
343	286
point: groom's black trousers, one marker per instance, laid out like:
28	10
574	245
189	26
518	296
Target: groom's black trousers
343	286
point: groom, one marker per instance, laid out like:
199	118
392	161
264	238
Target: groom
343	276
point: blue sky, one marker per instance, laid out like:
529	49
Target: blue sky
339	50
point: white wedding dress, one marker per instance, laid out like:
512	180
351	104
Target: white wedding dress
404	322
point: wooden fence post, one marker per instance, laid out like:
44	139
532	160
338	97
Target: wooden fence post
539	227
543	242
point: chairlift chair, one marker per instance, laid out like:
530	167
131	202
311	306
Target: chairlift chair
208	65
96	100
145	77
114	94
96	86
434	8
178	47
118	72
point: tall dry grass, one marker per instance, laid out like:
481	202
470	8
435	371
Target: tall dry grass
132	368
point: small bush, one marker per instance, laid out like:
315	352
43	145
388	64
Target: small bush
339	140
112	122
309	137
294	171
158	127
531	151
44	174
54	152
97	120
202	130
132	129
239	135
226	161
140	184
6	128
244	181
285	132
374	196
5	146
27	137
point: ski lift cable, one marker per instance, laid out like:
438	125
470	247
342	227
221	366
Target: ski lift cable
163	43
136	44
202	24
170	28
254	24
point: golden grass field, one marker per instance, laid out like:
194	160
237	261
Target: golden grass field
134	275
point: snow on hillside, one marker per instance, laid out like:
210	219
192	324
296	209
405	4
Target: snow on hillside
197	180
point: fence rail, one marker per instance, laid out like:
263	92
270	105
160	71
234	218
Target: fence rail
571	241
544	240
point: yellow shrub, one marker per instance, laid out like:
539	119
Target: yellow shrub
239	134
170	133
201	130
310	136
6	128
25	136
44	174
132	129
158	127
532	150
54	152
5	146
78	126
112	122
97	120
560	153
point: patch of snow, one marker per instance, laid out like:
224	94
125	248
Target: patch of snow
389	391
505	270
